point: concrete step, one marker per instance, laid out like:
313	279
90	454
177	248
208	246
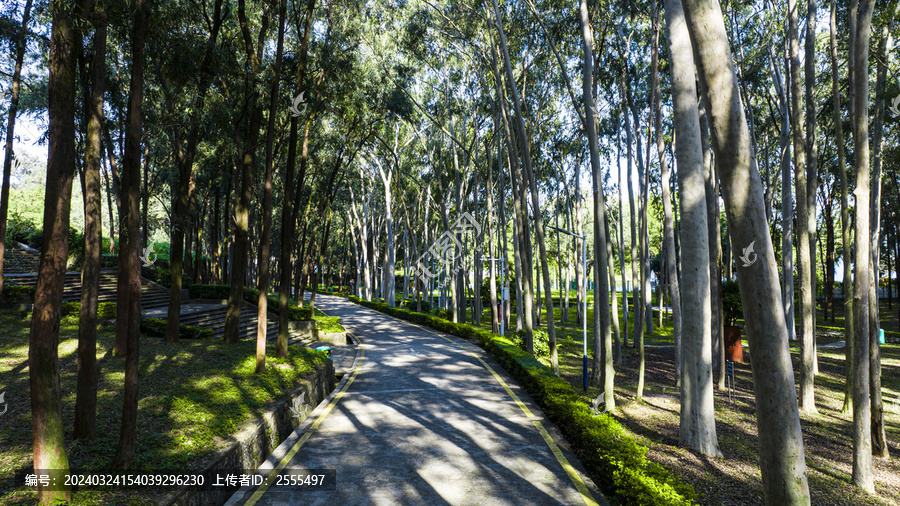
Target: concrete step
155	298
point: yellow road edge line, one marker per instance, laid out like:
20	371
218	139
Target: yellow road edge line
333	403
563	461
274	472
586	495
573	474
294	449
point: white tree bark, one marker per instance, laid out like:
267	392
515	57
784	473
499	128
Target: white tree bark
670	274
697	427
601	275
780	439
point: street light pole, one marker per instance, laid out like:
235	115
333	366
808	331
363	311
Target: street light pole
584	365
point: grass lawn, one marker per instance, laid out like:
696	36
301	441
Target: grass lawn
327	324
193	396
735	478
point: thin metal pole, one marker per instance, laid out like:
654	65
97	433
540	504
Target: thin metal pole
584	313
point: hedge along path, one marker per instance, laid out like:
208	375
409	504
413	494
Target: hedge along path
426	420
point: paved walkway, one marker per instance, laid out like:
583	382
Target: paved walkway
423	418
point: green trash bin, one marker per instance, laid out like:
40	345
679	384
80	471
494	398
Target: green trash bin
326	349
880	336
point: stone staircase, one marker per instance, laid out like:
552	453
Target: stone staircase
152	295
20	259
155	302
211	315
213	318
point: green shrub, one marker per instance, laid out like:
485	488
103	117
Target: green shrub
411	305
112	261
209	291
23	230
105	310
251	295
156	327
731	302
162	276
614	460
17	294
541	341
329	324
442	313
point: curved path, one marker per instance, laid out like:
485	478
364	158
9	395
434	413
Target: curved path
423	418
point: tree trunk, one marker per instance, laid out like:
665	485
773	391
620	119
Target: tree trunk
846	230
145	195
787	205
636	287
184	156
49	450
621	240
669	226
529	176
86	398
288	220
10	131
603	352
804	266
862	431
128	318
265	249
812	163
830	258
242	206
780	438
697	426
714	239
614	299
879	438
109	206
521	223
489	190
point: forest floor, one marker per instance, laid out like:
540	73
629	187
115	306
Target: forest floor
735	478
193	396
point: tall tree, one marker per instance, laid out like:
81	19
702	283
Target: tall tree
181	194
247	159
804	260
49	450
265	249
812	179
697	427
86	396
778	419
862	430
8	155
846	229
714	238
879	437
128	318
602	336
787	201
288	211
669	222
529	175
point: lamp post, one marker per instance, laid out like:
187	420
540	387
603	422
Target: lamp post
583	238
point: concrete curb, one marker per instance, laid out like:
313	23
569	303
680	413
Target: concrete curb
256	440
289	441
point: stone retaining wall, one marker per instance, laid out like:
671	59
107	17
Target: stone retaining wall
256	440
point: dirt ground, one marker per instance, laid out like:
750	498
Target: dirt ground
735	478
